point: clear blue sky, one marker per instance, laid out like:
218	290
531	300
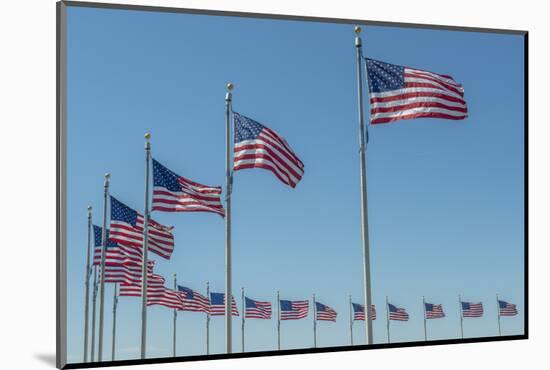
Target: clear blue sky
445	197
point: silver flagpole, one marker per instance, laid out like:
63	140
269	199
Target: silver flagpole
243	313
228	190
314	323
94	300
102	276
364	205
145	249
175	320
350	321
115	304
278	321
424	307
461	317
498	317
87	285
387	318
208	319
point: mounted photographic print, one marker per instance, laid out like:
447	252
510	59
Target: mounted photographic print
234	184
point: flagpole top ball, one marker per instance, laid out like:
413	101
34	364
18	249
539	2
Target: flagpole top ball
147	136
230	86
89	208
357	30
107	175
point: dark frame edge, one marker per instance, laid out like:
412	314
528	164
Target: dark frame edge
61	250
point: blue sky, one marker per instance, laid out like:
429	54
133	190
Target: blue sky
445	197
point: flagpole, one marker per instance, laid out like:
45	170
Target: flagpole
228	189
87	285
208	319
278	321
387	318
243	313
498	316
461	317
94	300
350	321
364	205
175	320
115	304
314	323
145	249
102	276
425	330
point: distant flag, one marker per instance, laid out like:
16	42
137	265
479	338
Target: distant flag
293	310
434	311
174	193
324	312
507	309
257	146
257	309
359	311
470	309
114	250
127	229
217	305
398	92
193	301
398	314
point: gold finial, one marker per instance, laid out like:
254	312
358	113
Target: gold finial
107	175
230	86
357	30
147	136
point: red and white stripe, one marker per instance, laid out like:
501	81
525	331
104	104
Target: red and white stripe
161	239
436	312
199	303
360	315
193	197
299	311
271	152
425	94
509	310
326	315
219	309
261	311
475	310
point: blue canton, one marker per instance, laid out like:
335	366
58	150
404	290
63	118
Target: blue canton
250	303
384	76
392	307
286	305
246	128
429	307
357	307
217	298
320	306
465	305
97	238
121	212
188	292
165	178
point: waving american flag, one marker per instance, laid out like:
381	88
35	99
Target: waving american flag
293	310
324	312
257	146
398	92
257	309
174	193
359	311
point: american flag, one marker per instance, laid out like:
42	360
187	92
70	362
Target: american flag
157	293
257	146
293	310
193	301
434	311
174	193
398	92
470	309
122	264
324	312
256	309
398	314
507	309
359	311
127	229
217	305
